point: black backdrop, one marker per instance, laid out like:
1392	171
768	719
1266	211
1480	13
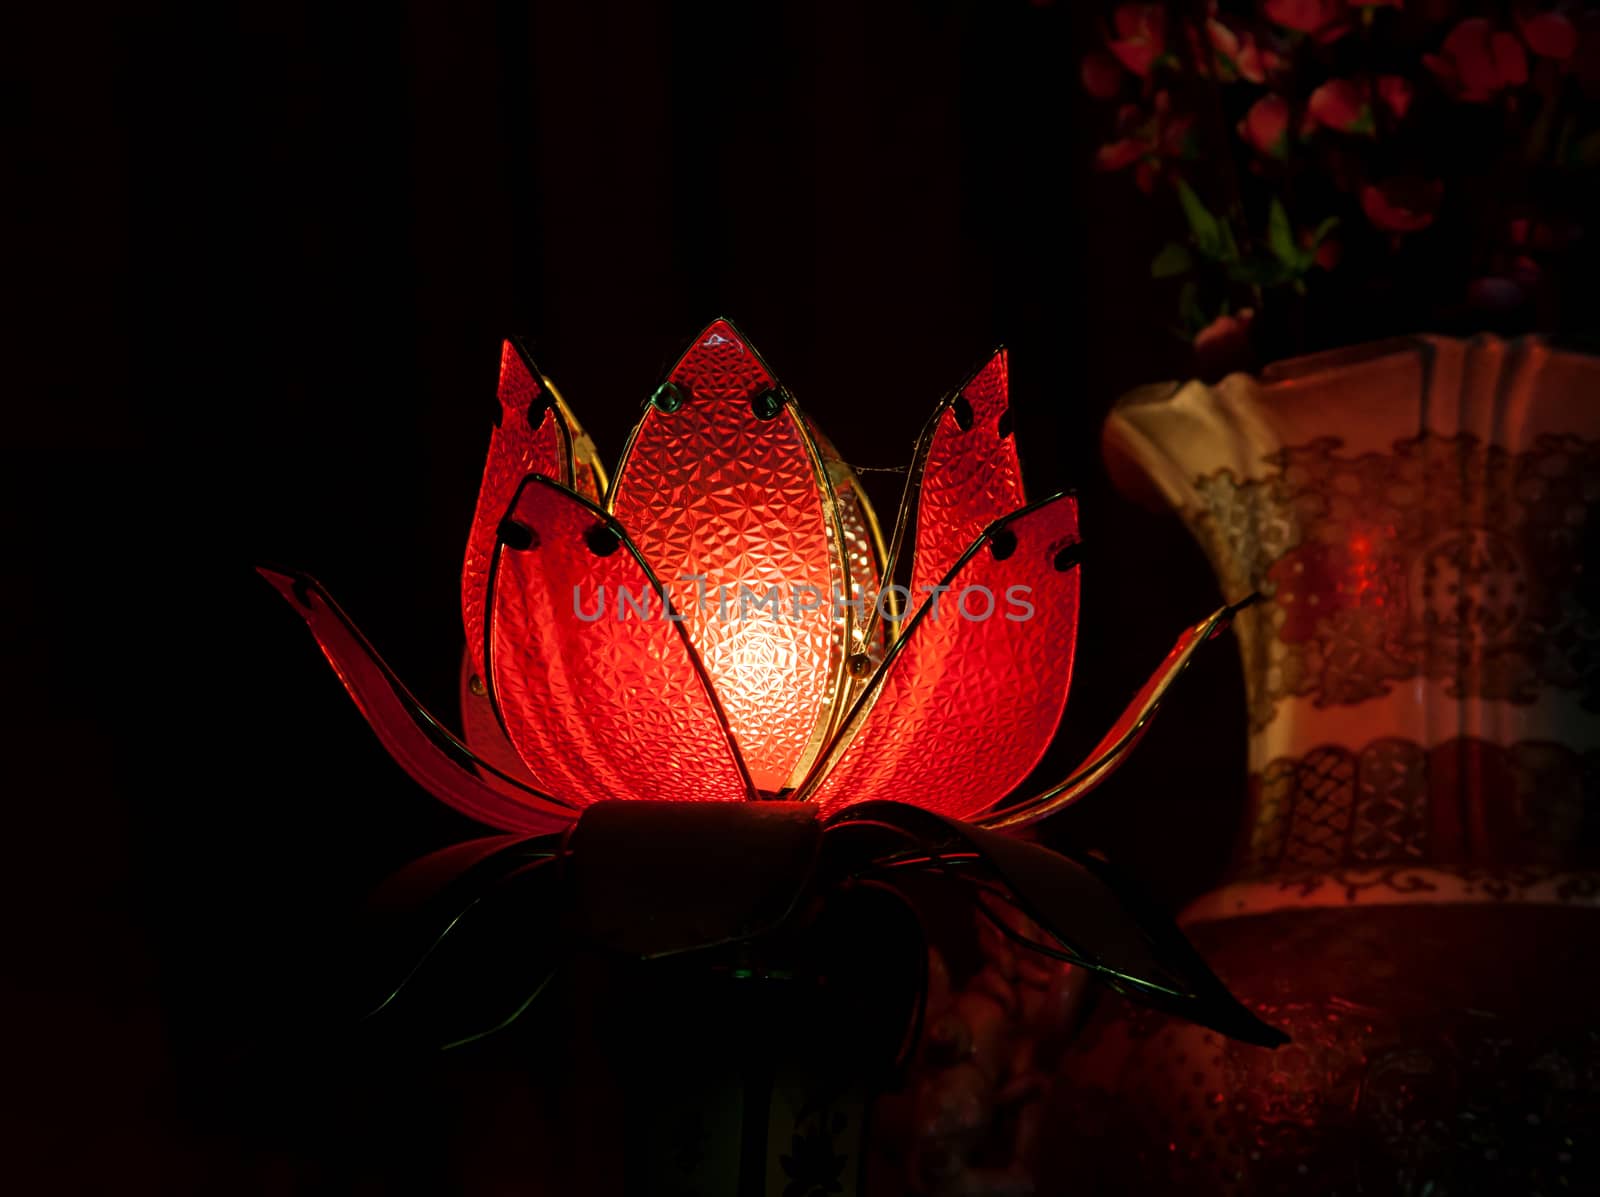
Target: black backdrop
262	258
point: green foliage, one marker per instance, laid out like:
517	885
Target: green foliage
1173	260
1204	228
1214	264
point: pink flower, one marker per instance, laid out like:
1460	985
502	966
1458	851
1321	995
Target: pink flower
1141	36
1402	205
1478	61
1117	155
1102	77
1147	139
1549	35
1323	19
1542	237
1341	105
1239	54
1266	126
1395	91
1223	345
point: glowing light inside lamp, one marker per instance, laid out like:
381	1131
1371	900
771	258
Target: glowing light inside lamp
730	489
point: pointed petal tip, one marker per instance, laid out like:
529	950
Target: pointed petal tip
718	338
997	355
521	384
295	586
720	327
723	324
520	350
995	360
1244	604
531	483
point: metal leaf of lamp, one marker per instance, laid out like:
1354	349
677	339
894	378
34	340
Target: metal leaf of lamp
703	674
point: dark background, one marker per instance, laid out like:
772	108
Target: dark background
261	259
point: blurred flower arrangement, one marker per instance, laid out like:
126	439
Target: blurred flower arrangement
1406	164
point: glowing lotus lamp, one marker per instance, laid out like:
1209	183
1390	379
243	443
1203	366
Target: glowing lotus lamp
716	625
708	629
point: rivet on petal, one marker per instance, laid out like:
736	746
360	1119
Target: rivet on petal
602	540
668	398
538	409
1068	556
1002	543
1005	424
860	664
766	404
963	412
516	535
475	684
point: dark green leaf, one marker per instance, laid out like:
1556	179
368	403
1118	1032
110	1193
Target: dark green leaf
1173	259
1260	272
1230	247
1203	226
1280	235
1189	308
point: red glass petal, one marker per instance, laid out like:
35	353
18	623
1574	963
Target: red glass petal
481	730
532	437
965	474
600	694
434	758
1113	749
723	482
973	691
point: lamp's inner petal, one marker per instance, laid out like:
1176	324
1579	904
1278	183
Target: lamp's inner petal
588	472
973	691
964	475
864	556
727	497
532	437
599	690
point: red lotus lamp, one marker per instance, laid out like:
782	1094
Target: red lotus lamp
705	675
713	629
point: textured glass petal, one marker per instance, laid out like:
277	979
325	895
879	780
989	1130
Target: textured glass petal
864	556
600	693
971	694
964	475
723	482
480	728
1113	749
532	437
433	757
